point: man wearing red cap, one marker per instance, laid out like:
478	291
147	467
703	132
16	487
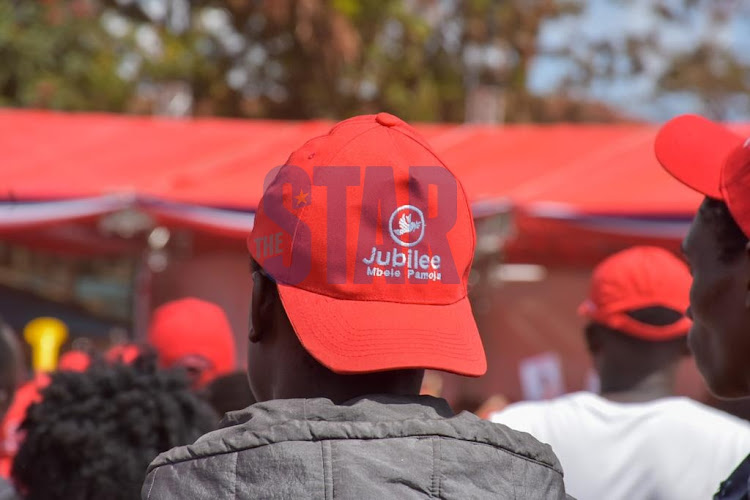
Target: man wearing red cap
714	161
193	334
635	439
361	253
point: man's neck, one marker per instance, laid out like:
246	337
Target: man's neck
655	386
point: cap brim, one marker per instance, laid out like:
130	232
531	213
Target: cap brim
694	150
350	336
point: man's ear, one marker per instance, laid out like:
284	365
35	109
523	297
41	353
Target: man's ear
261	307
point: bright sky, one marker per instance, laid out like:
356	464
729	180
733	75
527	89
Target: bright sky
614	21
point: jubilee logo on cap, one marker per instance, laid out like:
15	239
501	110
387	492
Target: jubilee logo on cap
407	228
403	216
366	230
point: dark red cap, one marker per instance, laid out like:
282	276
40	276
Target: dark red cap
710	159
194	334
373	240
638	278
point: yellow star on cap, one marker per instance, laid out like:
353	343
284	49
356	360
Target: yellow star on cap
301	198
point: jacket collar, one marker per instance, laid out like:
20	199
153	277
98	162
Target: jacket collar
369	408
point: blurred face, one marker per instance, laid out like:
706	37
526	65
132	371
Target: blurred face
719	307
199	369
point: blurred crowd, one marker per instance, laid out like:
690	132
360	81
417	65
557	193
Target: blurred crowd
88	425
342	394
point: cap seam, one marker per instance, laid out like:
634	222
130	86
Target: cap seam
635	305
329	134
351	139
635	328
458	183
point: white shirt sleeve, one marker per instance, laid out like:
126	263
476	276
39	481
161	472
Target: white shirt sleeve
519	416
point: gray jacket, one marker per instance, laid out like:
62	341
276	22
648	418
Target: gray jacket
377	447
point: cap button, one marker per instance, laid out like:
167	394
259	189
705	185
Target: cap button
387	119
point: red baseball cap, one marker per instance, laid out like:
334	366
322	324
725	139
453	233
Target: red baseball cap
370	238
710	159
637	278
74	361
194	334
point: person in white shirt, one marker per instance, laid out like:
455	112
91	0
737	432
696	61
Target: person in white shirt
635	439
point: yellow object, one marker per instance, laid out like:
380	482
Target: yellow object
45	336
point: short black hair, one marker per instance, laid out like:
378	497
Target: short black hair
94	433
731	240
625	360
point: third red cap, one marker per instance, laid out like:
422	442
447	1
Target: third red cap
638	278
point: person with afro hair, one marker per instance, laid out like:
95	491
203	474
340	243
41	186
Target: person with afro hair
94	433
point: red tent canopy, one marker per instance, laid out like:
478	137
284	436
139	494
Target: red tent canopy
210	171
203	162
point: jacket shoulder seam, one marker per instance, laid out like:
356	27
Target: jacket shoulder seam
151	487
416	436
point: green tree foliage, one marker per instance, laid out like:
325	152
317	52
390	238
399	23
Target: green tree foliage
424	60
57	56
709	69
308	59
272	58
